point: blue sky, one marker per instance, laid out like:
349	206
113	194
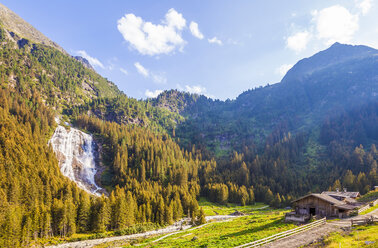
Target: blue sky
219	48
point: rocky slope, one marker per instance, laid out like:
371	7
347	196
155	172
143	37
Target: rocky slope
15	24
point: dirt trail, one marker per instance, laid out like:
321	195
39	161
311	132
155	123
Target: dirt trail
304	238
180	225
316	234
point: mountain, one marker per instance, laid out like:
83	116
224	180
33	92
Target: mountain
154	159
338	79
336	54
84	61
103	142
18	27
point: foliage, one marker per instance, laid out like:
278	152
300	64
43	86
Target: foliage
124	110
269	145
36	200
60	79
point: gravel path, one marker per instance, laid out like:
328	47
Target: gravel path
316	234
90	243
170	230
304	238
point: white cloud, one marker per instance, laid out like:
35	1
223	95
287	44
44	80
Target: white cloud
196	89
124	71
283	69
364	5
335	23
175	19
143	71
159	78
152	94
195	31
298	41
93	61
215	40
152	39
332	24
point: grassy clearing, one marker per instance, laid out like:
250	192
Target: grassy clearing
231	233
218	209
359	237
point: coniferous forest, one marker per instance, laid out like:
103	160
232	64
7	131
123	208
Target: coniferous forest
159	156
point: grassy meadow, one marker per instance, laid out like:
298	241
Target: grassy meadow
211	208
258	224
362	236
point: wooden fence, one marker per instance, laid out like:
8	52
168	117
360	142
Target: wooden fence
373	203
283	234
363	221
363	209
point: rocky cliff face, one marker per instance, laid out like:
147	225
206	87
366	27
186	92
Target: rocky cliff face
84	61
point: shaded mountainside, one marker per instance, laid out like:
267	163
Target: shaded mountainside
336	54
299	103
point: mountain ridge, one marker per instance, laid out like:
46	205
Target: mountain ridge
336	54
14	23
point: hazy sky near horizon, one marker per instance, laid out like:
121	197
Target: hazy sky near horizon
218	48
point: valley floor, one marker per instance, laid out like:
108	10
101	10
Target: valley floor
230	230
216	213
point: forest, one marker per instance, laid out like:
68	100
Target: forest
161	155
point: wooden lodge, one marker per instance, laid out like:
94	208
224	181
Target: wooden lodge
327	204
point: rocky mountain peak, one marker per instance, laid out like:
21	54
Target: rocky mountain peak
84	61
336	54
15	24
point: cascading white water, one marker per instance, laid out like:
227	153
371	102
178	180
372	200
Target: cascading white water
74	150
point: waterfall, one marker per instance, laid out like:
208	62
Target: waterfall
75	152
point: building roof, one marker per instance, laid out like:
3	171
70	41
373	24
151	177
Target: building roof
331	200
346	207
350	200
342	194
326	198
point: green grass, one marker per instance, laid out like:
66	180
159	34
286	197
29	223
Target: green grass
231	233
218	209
356	238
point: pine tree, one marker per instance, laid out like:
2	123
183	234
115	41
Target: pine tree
168	214
83	213
201	217
121	210
160	211
130	209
